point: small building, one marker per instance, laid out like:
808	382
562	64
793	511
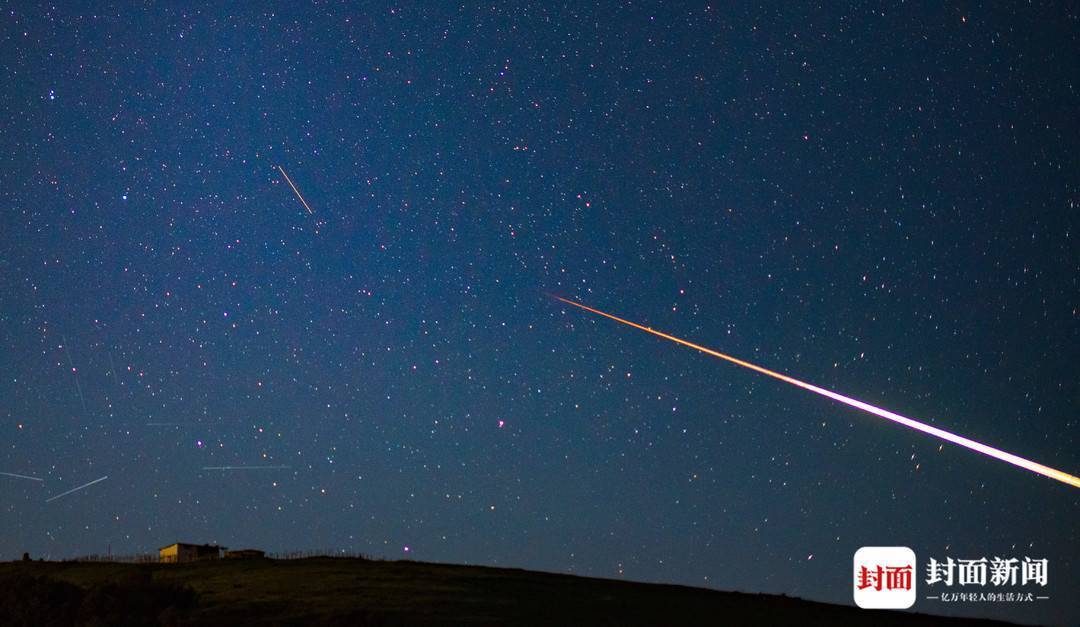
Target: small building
181	552
244	554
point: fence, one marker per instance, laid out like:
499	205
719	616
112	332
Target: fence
298	555
141	558
149	558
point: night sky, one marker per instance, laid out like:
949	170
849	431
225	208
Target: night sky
880	200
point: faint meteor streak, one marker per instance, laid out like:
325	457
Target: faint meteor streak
112	369
18	476
85	485
911	423
296	191
75	372
245	467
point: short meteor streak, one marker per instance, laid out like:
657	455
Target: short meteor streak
296	191
85	485
18	476
245	467
911	423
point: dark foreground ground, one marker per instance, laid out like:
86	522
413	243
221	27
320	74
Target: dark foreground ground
355	592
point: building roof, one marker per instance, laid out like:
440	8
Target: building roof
201	546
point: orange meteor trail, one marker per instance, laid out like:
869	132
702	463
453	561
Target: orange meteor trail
289	180
1015	460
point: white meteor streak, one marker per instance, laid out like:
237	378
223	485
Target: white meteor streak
18	476
911	423
245	467
296	191
85	485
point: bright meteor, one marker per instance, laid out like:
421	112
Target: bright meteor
296	191
85	485
18	476
911	423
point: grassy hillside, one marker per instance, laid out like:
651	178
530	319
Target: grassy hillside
346	591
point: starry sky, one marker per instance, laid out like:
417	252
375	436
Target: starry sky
879	199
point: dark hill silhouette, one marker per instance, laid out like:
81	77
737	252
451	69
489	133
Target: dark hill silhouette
358	592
